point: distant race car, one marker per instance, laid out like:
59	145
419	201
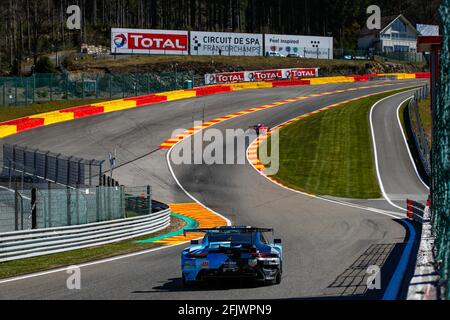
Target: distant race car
232	252
260	129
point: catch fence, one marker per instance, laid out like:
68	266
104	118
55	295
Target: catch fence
40	189
440	186
16	91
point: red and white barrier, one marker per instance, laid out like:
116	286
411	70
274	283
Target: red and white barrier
261	75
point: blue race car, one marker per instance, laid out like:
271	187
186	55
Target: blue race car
232	252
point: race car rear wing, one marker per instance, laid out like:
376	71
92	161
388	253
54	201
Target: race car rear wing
228	229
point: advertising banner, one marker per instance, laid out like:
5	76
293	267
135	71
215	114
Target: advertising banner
304	46
226	44
261	75
149	41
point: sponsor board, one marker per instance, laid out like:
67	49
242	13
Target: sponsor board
304	46
226	44
147	41
261	75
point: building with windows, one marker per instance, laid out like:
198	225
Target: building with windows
397	34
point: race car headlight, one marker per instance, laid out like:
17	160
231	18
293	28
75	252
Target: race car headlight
271	261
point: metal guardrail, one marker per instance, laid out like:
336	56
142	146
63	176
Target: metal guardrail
420	138
32	243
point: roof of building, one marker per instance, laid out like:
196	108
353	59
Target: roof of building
386	22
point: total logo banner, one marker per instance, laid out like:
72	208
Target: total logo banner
148	41
261	75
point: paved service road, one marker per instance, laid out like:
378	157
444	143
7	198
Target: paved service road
328	246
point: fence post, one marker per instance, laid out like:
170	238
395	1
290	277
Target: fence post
16	207
57	167
110	85
15	92
122	202
123	86
34	87
67	86
26	91
33	208
22	177
97	203
80	180
10	172
90	173
51	87
68	171
149	199
96	87
21	212
69	217
108	202
77	202
45	165
49	204
100	172
35	160
82	85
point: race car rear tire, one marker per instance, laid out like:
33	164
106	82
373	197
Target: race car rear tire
184	282
278	278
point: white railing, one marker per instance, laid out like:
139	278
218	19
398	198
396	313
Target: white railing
32	243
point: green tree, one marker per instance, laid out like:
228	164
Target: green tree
44	65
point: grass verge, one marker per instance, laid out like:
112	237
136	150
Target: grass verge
57	260
330	153
14	112
406	126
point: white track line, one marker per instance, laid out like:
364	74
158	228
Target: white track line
380	181
406	143
391	214
394	285
182	188
43	273
32	275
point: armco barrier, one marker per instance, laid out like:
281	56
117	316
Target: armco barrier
204	91
17	125
178	95
289	83
330	80
32	243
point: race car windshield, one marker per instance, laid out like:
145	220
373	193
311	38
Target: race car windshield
242	238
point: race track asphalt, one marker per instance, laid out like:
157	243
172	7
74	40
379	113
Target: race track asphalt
328	246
